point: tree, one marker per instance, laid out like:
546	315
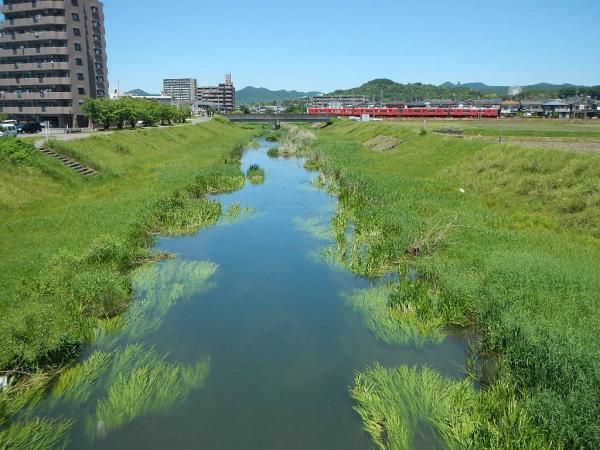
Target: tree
98	110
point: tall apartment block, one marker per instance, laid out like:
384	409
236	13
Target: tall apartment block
52	56
180	89
221	97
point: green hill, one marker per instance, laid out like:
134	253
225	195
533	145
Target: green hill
386	90
257	95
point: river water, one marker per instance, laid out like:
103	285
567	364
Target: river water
283	345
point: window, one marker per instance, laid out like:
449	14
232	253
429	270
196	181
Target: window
96	37
99	66
80	77
75	17
97	51
79	61
76	31
75	2
100	92
96	23
94	10
100	79
77	46
81	91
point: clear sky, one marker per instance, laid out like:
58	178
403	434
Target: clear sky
329	44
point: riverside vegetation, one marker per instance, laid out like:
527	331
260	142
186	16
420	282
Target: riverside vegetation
498	238
71	249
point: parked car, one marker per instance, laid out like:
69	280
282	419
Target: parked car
8	130
29	127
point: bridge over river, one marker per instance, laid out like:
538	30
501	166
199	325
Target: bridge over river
278	118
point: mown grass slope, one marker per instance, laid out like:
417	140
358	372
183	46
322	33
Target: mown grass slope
506	238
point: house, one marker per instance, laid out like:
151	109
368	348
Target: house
509	108
532	108
581	107
557	108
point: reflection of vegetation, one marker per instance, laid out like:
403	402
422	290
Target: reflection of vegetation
316	227
159	287
408	321
406	408
256	174
38	434
152	385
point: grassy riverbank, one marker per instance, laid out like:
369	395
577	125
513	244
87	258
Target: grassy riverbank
505	239
68	243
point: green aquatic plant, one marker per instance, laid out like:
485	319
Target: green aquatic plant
38	434
22	397
273	152
148	385
316	227
182	214
392	324
236	214
159	287
76	384
407	407
256	174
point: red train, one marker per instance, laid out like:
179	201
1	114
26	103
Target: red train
471	112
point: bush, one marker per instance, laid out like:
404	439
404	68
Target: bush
16	151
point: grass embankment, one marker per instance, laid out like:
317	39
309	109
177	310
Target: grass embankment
502	238
68	243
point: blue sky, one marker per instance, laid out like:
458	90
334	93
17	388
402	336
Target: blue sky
329	44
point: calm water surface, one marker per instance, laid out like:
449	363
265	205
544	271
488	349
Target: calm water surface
283	345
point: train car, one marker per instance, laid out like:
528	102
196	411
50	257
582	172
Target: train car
425	112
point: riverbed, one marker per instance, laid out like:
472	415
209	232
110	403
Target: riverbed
283	346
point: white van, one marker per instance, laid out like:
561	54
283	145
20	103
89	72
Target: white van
8	130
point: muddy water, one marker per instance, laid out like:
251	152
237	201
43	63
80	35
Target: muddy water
283	345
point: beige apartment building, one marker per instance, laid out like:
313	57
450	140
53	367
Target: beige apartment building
52	56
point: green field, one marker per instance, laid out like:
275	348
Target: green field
505	240
68	242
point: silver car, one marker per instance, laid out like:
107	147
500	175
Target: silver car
8	130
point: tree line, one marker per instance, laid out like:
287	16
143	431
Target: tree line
129	111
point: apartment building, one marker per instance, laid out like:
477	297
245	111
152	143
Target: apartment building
182	90
220	98
52	56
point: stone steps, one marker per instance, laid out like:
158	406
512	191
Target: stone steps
66	161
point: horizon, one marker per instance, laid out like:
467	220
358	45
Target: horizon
299	48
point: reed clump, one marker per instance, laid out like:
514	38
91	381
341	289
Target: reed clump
255	174
408	407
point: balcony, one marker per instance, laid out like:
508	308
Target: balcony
36	110
49	81
33	6
45	51
39	36
29	67
37	96
7	25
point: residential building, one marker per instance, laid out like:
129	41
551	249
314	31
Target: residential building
182	90
339	101
557	108
220	98
52	56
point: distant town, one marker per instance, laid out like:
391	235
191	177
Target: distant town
53	56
